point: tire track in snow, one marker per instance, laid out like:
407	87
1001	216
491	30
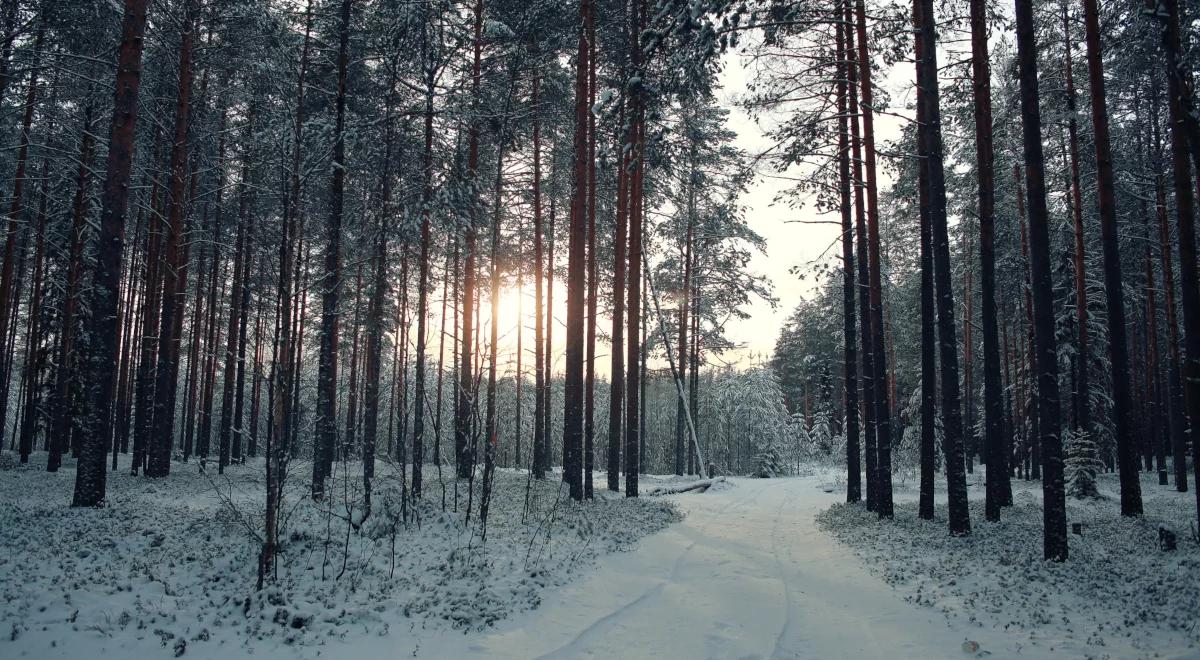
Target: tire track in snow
777	652
604	622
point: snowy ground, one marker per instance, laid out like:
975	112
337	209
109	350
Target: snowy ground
1118	596
168	568
748	573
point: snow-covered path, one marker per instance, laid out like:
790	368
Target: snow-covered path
746	575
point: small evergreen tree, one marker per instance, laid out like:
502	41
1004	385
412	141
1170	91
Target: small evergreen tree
1082	465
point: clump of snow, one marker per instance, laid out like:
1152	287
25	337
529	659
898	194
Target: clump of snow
170	564
1117	596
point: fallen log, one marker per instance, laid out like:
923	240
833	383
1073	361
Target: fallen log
699	486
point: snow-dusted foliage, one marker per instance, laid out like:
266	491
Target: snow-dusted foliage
749	404
1118	596
169	565
1082	464
906	453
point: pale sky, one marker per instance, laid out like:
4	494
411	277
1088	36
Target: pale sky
789	243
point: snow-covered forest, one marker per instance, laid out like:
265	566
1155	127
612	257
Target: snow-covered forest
370	328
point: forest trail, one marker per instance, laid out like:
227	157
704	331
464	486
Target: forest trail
746	575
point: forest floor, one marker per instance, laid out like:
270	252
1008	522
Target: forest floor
754	570
168	567
1118	595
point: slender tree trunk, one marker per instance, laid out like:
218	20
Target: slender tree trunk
1054	502
540	453
246	205
11	256
573	406
60	403
466	393
1178	424
576	274
883	423
685	293
423	273
996	441
211	342
633	385
589	399
331	281
1082	404
348	436
928	305
225	430
549	394
952	423
864	301
197	331
849	284
33	342
91	473
491	437
374	325
616	394
174	264
519	378
1131	490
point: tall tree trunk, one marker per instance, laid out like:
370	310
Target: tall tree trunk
60	401
996	442
491	438
869	389
374	325
685	293
174	262
540	454
466	392
849	334
225	430
1131	490
1054	502
277	438
91	474
952	424
34	360
348	436
616	378
11	255
1178	424
212	340
1082	404
883	421
589	398
246	204
546	379
573	401
331	281
928	303
197	331
633	385
423	265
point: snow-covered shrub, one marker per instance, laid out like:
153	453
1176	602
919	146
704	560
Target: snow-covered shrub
906	448
749	404
1082	464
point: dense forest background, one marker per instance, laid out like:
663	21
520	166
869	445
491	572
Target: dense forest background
461	236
